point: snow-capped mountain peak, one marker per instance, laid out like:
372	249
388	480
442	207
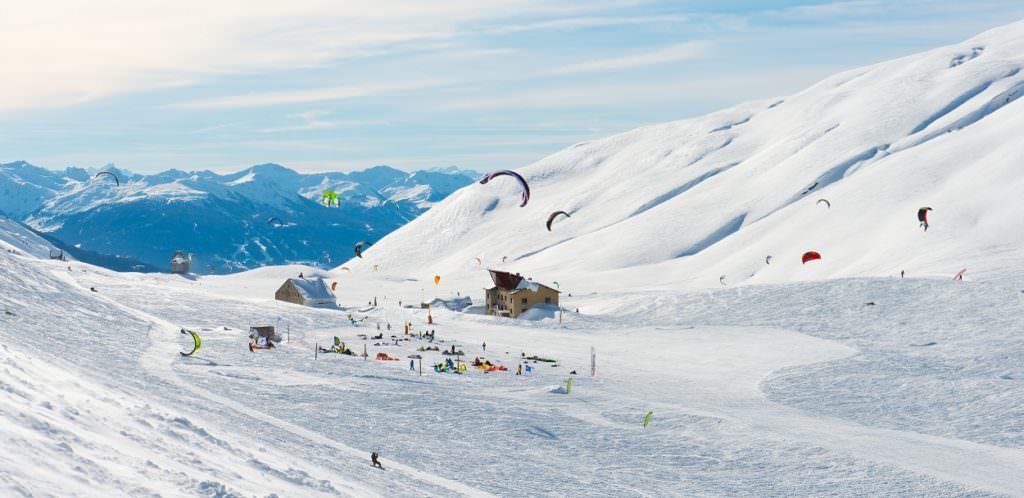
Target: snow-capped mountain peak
222	219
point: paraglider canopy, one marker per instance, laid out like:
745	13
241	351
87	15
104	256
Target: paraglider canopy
647	418
437	279
195	339
110	174
504	172
827	203
551	218
768	259
810	256
275	222
721	280
922	214
330	197
479	262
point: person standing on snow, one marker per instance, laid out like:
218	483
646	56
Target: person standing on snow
374	461
485	346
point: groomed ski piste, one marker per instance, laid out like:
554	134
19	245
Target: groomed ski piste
832	378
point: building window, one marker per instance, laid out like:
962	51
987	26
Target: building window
547	300
524	300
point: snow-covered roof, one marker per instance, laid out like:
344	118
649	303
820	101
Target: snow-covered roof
313	289
514	282
504	279
454	303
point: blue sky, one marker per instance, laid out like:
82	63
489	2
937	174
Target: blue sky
327	85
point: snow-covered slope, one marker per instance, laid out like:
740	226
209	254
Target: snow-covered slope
693	200
790	390
18	239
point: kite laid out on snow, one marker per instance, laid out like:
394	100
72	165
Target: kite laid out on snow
647	418
359	247
810	256
195	339
110	174
504	172
551	218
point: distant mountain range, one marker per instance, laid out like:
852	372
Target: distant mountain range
267	214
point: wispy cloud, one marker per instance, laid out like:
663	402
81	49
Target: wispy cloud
821	11
680	52
315	120
692	91
83	54
306	96
583	22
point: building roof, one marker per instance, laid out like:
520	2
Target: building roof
505	280
312	289
514	282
